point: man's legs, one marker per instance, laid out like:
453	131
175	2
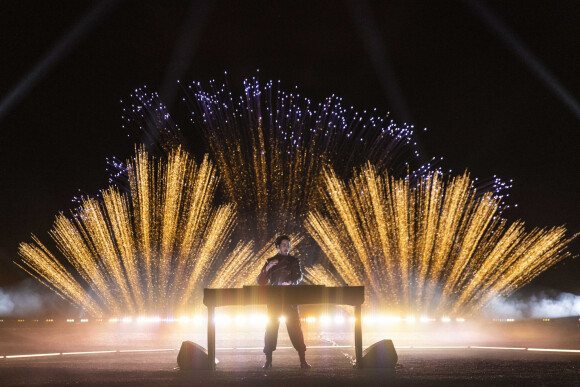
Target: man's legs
271	336
295	332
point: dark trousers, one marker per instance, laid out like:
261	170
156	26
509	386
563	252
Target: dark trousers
292	324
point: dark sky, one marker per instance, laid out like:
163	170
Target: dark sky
438	64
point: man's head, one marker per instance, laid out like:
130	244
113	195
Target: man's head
283	244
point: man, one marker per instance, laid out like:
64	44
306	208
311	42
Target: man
282	269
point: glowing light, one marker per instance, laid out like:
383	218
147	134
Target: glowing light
240	319
33	355
554	350
368	319
70	320
223	319
508	348
339	320
460	319
325	319
87	353
282	319
445	319
113	320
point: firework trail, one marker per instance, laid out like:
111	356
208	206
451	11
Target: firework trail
270	147
433	247
149	251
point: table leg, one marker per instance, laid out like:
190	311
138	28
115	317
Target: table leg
358	335
211	337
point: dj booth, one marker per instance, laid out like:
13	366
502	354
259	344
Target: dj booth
295	295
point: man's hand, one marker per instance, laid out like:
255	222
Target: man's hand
271	264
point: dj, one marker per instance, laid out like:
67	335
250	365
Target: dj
283	269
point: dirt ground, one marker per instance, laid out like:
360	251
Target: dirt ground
439	355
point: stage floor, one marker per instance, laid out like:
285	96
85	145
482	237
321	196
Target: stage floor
145	354
330	367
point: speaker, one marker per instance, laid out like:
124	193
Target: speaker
381	354
192	356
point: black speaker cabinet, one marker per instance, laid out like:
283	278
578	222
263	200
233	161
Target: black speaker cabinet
381	354
192	356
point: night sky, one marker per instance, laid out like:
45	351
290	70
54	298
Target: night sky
438	65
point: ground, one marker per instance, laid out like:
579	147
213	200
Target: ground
430	354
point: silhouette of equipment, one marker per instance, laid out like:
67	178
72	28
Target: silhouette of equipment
381	354
193	356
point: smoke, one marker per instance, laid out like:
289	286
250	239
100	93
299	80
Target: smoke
24	299
546	304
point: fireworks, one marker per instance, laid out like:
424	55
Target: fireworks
271	147
418	244
435	247
146	252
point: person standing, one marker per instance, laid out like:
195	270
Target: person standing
283	269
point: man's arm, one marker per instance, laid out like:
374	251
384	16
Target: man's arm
263	277
296	273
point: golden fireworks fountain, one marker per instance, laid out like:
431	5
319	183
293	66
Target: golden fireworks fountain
146	252
433	247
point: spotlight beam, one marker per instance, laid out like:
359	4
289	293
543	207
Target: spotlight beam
379	56
88	22
184	50
525	55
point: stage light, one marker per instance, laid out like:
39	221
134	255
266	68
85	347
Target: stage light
339	320
324	319
352	319
127	319
223	319
282	319
546	320
70	320
197	319
183	319
240	319
445	319
84	320
113	319
310	319
411	320
460	319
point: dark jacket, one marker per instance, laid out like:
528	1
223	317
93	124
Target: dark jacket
288	269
